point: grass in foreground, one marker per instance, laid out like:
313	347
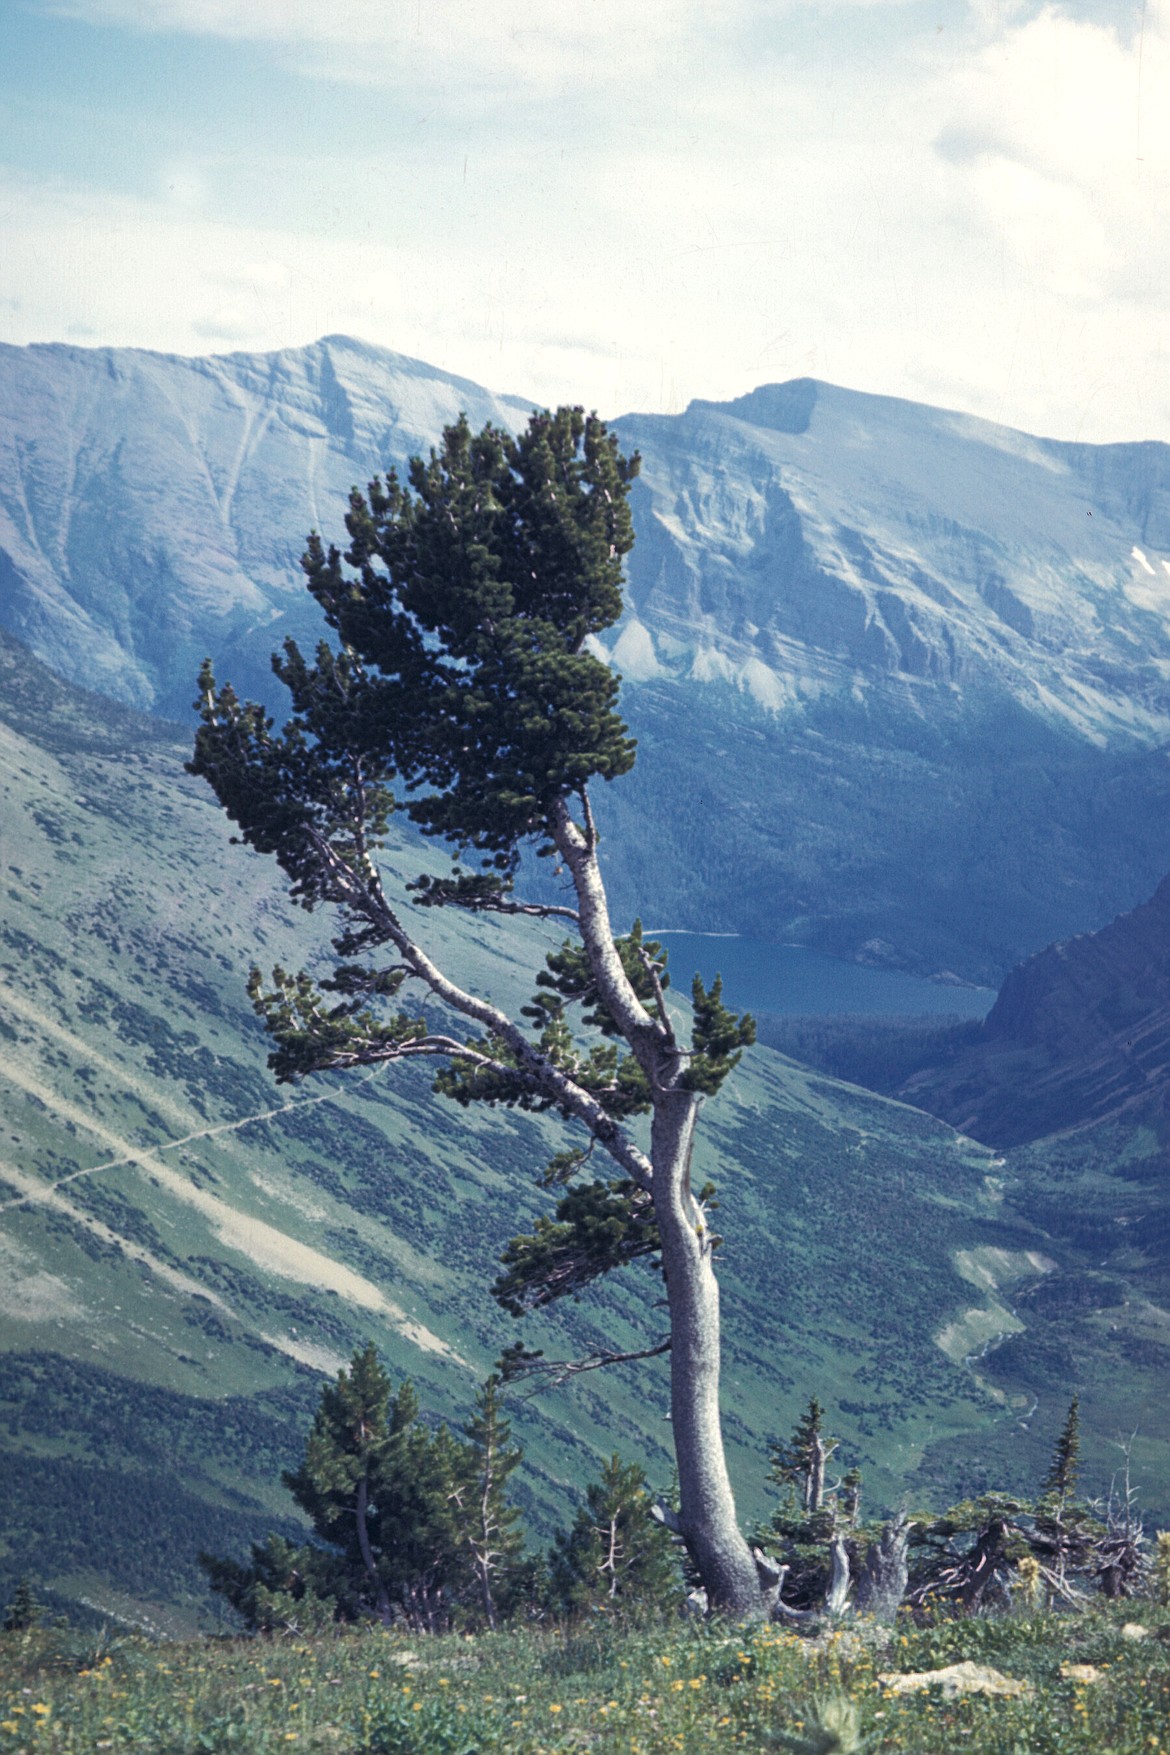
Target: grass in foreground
604	1689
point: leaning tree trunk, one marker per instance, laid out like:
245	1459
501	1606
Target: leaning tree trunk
706	1507
707	1519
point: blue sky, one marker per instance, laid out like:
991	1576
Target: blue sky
965	202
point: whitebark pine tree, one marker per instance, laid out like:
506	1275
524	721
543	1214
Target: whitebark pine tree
463	610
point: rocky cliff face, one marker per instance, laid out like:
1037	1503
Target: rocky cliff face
900	678
806	541
153	509
1079	1033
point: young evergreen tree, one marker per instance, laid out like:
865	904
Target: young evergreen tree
285	1588
1065	1535
1060	1483
462	691
803	1526
23	1612
800	1464
422	1526
410	1522
617	1556
493	1526
342	1476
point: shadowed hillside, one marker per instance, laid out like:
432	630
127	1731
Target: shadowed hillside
1080	1033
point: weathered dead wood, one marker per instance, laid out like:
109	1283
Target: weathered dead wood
836	1597
882	1580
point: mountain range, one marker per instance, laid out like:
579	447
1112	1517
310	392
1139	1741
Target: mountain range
924	656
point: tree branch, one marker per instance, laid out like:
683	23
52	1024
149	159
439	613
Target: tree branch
655	979
368	902
554	1372
537	910
577	848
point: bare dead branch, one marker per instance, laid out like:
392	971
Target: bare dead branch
553	1372
509	905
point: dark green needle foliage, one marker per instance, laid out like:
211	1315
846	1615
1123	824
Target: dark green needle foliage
617	1556
283	1588
598	1226
410	1522
23	1612
462	673
718	1038
1060	1483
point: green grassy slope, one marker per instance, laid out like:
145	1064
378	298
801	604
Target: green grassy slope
1051	1685
1101	1321
185	1247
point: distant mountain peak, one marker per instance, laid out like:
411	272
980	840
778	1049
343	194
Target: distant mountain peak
876	604
785	408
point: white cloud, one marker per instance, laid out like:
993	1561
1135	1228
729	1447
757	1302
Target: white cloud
634	205
1068	97
1059	148
506	47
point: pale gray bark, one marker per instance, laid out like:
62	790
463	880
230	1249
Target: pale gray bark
814	1485
884	1572
707	1516
836	1596
706	1503
838	1592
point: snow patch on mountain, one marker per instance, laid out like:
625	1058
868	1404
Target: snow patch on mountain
633	653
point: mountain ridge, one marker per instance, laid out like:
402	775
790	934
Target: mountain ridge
941	688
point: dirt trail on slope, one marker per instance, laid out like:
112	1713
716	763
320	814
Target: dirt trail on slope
271	1249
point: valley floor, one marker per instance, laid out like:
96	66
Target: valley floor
1073	1684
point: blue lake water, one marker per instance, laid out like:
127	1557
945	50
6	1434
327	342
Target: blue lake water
790	978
